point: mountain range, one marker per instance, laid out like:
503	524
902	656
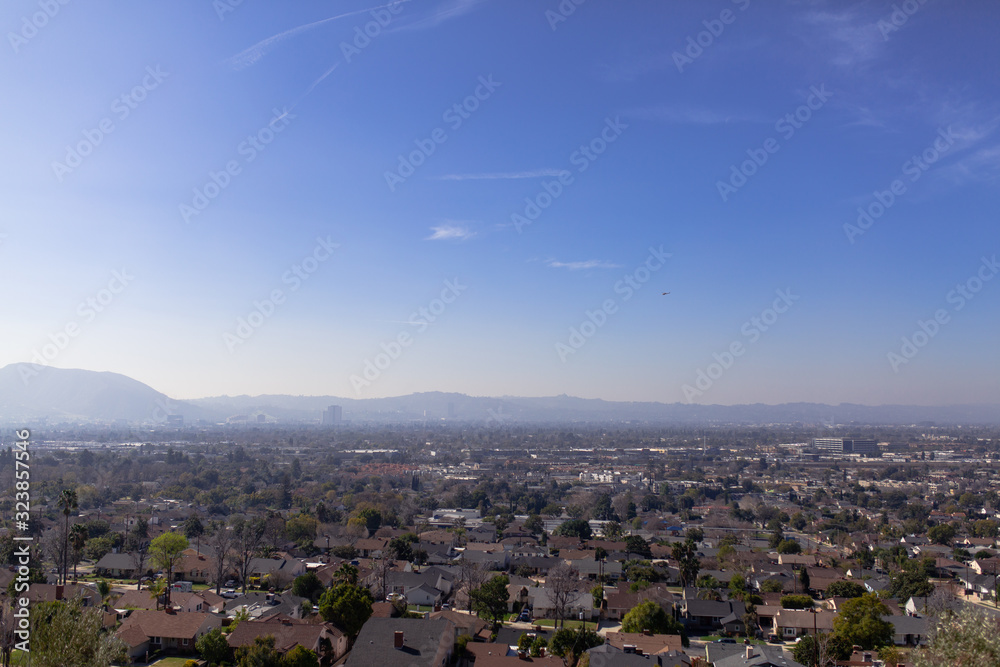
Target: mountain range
30	393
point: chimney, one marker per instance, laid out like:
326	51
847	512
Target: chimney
749	652
647	632
59	592
397	639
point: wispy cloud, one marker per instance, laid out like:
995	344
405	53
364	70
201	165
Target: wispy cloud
254	54
979	166
685	115
577	266
849	38
503	175
446	12
450	232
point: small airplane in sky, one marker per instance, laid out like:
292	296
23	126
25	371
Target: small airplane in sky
665	293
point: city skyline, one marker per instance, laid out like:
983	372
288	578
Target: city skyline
493	199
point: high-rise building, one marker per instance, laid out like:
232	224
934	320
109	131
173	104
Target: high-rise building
841	446
332	415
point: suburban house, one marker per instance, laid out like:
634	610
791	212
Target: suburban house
403	641
705	616
791	623
170	631
116	566
327	641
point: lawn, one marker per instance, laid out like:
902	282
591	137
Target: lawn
170	662
569	625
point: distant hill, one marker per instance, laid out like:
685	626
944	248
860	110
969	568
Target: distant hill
512	409
29	392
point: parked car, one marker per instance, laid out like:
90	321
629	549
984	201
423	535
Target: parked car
525	616
230	593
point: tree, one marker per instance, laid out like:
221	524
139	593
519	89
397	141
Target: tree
860	622
821	650
137	546
561	584
634	544
909	583
789	547
770	586
572	643
597	593
221	540
534	524
574	528
166	552
348	606
400	548
490	599
157	590
648	615
63	629
259	654
804	579
687	558
68	502
612	530
248	538
969	637
796	602
307	585
695	534
471	575
845	589
943	533
213	647
890	655
194	529
77	540
299	656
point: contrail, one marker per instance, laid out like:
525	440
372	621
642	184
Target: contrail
253	55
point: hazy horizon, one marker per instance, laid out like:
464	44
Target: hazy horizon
491	198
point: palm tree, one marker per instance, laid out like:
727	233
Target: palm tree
78	540
157	589
68	500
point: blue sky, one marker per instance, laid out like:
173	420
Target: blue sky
832	99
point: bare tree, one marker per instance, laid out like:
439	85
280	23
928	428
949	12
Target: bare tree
561	584
249	538
274	532
221	540
471	575
381	567
139	553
